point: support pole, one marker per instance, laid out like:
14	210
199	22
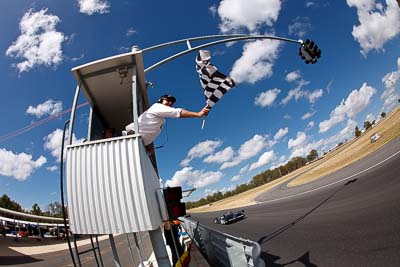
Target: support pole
159	248
114	250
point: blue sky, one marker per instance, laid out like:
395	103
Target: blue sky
280	108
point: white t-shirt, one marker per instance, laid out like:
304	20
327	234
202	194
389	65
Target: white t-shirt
152	120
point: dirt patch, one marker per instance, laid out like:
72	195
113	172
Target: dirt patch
356	149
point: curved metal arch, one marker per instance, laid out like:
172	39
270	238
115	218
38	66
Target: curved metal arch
226	38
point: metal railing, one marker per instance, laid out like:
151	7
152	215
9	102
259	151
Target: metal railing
221	249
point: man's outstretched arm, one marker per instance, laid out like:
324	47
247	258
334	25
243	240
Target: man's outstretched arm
191	114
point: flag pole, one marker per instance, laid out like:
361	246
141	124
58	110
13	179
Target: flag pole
204	122
204	119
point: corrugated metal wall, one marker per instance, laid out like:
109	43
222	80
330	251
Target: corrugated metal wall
111	187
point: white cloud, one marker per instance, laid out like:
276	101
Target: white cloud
220	156
263	160
131	31
266	98
310	125
304	150
349	108
194	178
49	107
244	169
235	178
200	150
346	133
300	27
325	144
256	62
299	141
370	117
247	150
52	168
287	117
39	42
293	76
378	24
281	133
53	141
213	10
20	166
89	7
314	95
391	94
238	14
296	93
307	115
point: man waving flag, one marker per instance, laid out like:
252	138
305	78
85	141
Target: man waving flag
214	83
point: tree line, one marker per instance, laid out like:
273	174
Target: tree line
54	209
258	180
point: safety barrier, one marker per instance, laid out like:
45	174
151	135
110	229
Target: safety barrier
221	249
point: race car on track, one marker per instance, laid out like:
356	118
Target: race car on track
230	217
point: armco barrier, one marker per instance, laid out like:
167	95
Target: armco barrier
221	249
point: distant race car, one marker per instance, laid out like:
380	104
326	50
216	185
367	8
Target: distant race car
230	217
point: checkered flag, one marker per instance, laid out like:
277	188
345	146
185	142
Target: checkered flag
214	83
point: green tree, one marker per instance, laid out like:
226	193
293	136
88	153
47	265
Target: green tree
7	203
383	114
357	132
55	209
312	156
36	210
367	125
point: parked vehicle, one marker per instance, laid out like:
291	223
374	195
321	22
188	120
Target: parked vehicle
374	137
23	232
230	217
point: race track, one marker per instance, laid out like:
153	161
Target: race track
349	218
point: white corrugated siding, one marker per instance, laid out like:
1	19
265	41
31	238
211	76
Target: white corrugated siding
111	187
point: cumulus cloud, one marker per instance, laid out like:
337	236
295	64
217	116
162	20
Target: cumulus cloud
314	95
19	166
200	150
263	160
310	125
293	76
378	23
235	178
238	14
53	141
370	117
49	107
281	133
52	168
256	62
247	150
307	115
391	94
213	10
39	42
300	27
296	93
194	178
325	144
349	108
89	7
300	140
220	156
266	98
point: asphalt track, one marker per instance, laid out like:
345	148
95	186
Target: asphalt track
348	218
